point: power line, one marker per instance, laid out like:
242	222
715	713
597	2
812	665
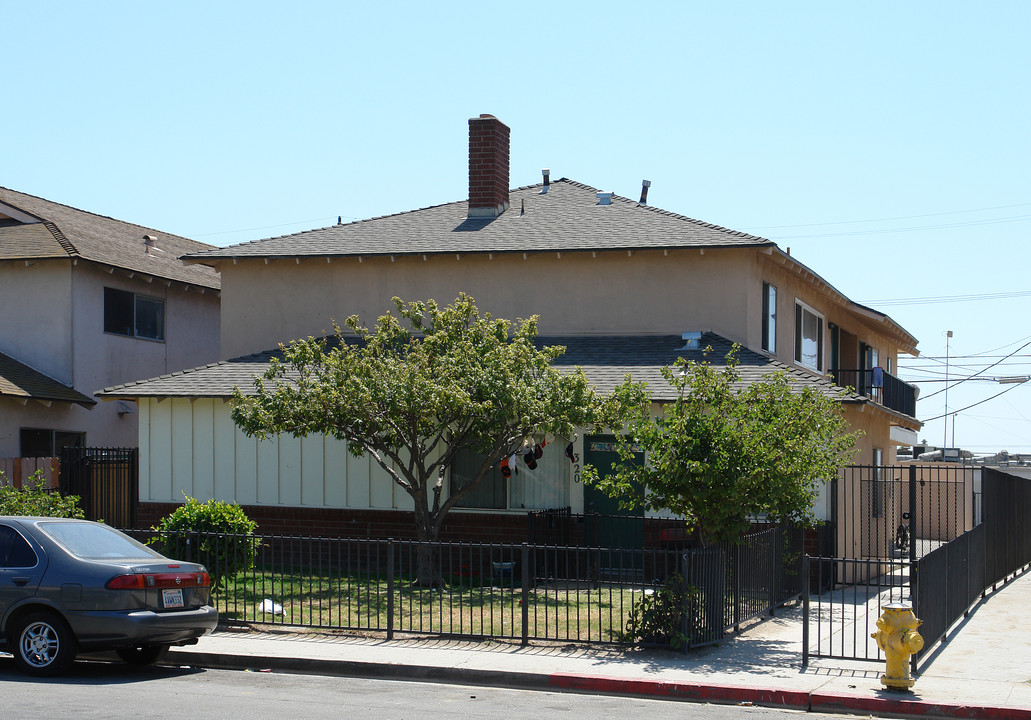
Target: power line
963	380
914	228
981	402
931	300
901	217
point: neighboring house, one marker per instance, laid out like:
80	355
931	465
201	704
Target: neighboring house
627	287
90	301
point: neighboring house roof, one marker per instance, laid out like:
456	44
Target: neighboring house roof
59	231
605	360
567	218
19	381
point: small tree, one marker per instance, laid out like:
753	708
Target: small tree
425	385
214	533
34	498
724	453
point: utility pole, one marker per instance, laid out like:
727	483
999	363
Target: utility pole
945	433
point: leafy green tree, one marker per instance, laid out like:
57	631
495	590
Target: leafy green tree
724	453
34	498
424	385
214	533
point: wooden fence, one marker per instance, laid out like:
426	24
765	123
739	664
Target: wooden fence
16	471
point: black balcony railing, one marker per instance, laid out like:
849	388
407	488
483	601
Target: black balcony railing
880	386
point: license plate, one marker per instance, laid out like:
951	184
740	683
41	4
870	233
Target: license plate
172	598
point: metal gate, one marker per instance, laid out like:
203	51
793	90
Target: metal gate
884	519
106	481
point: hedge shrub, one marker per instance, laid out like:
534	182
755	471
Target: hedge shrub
36	499
214	533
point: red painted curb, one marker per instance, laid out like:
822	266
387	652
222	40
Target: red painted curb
821	702
701	692
796	699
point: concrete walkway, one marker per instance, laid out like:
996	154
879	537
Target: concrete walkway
982	671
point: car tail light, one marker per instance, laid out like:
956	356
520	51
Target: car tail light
159	580
125	582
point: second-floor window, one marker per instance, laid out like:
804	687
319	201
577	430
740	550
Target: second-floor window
808	337
769	318
127	313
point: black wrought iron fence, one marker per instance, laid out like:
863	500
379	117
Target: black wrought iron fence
950	580
902	511
523	592
837	619
957	559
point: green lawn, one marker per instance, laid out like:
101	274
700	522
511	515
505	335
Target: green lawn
565	610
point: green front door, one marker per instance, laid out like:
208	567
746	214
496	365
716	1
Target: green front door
606	524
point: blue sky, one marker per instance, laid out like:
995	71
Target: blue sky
885	143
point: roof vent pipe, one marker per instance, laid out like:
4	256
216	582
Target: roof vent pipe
150	241
547	180
604	198
645	184
692	340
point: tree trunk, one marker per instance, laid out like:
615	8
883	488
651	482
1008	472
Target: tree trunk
427	556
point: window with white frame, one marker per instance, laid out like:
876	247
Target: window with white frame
769	318
808	337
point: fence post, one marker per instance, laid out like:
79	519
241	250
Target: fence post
390	589
912	513
805	610
526	594
735	568
775	566
691	609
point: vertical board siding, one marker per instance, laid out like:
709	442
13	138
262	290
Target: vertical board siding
268	472
203	484
160	459
289	478
381	487
225	434
144	443
359	480
245	451
183	449
313	471
336	478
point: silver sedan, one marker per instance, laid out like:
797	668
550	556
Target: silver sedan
72	585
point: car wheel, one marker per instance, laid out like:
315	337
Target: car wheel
143	655
45	644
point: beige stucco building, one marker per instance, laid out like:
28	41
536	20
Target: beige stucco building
628	287
90	301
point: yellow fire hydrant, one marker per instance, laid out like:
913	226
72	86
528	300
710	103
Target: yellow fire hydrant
897	636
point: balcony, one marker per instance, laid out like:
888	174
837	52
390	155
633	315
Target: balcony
880	387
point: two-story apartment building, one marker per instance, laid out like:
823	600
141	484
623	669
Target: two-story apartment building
90	301
626	286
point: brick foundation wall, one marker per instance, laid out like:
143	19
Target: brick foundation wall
332	522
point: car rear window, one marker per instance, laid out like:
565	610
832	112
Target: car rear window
96	542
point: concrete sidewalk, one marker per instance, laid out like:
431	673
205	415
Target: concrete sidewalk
982	671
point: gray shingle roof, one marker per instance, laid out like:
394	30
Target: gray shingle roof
69	232
20	381
606	360
565	219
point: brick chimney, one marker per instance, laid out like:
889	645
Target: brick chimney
488	166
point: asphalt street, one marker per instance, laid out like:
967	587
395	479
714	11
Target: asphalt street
112	690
